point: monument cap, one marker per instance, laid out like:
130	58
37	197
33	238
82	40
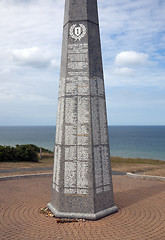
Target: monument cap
81	10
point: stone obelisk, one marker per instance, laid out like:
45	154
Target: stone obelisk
82	180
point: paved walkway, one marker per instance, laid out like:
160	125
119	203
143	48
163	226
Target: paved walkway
39	169
141	213
35	169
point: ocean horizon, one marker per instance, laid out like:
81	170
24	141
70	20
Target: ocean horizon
134	141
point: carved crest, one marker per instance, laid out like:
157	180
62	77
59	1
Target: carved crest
77	32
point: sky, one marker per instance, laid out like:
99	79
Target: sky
133	51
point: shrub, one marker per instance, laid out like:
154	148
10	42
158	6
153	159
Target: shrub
18	153
36	148
26	153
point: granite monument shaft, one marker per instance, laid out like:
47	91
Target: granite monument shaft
82	179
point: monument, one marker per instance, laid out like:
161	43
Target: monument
82	180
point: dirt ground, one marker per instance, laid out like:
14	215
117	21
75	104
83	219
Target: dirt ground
147	169
41	163
119	164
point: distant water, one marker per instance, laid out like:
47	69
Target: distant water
125	141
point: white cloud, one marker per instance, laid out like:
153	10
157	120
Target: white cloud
124	71
33	57
131	58
39	23
54	63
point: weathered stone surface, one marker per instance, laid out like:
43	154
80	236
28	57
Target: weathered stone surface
82	181
76	10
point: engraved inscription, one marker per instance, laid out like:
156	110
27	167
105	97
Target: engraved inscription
99	190
98	167
79	73
60	121
106	165
70	191
70	175
83	153
107	188
77	65
83	88
83	110
70	135
95	121
97	86
100	84
82	57
62	87
82	191
77	113
77	85
83	85
93	83
71	86
102	168
82	175
83	135
77	57
78	48
56	172
103	120
70	153
71	110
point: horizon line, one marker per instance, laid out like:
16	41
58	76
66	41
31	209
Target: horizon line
109	125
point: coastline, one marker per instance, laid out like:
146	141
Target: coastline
125	141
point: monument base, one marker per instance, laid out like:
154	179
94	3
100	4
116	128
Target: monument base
88	216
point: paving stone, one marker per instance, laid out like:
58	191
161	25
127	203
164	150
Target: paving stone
141	213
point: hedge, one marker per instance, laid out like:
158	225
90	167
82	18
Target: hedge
19	153
35	148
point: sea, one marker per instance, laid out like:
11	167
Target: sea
125	141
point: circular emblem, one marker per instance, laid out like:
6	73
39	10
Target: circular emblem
77	31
